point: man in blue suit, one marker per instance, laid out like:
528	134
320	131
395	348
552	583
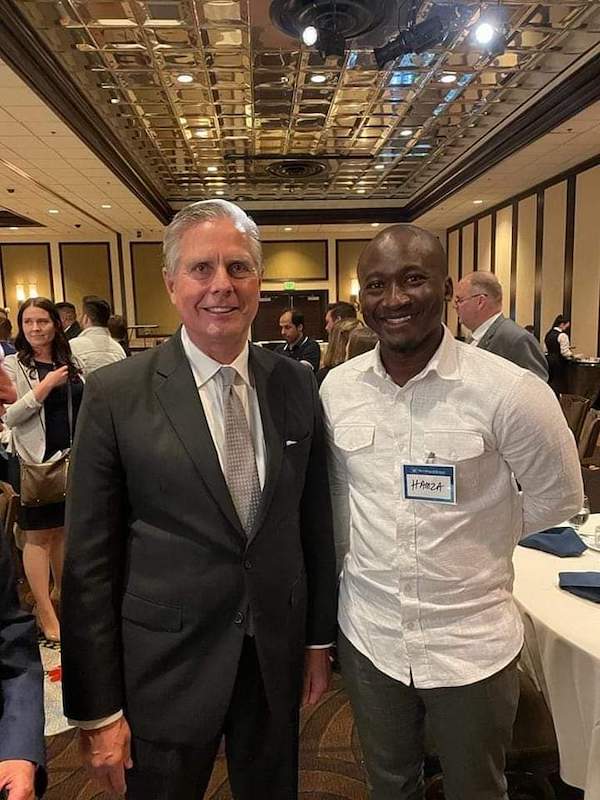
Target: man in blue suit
22	759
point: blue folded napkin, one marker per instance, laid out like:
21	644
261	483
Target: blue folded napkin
583	584
557	541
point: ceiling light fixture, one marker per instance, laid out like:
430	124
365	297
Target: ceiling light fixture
449	77
318	78
287	228
13	228
477	202
114	100
219	191
310	35
361	191
490	33
105	205
185	78
379	166
202	134
212	169
53	210
375	224
406	132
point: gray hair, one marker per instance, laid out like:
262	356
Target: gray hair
486	283
206	211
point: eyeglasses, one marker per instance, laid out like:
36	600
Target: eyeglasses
460	300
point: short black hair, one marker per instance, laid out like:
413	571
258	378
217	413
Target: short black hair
65	306
342	310
297	316
96	310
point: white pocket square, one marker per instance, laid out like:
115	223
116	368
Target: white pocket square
290	442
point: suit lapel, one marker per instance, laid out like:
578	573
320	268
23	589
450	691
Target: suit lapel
271	400
177	393
491	332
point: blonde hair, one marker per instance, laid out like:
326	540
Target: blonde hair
338	340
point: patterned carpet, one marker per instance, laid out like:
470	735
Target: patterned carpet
330	761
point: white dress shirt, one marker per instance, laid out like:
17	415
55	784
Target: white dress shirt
478	334
426	588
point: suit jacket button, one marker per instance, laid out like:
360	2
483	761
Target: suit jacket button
239	618
247	565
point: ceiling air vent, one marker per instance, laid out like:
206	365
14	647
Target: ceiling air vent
296	169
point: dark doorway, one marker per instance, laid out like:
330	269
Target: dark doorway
272	305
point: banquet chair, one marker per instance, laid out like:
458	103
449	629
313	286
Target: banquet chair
8	517
591	485
588	438
575	409
532	758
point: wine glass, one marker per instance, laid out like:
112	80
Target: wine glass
582	516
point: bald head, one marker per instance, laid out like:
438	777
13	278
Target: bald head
406	242
478	297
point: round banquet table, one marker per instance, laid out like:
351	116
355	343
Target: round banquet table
562	654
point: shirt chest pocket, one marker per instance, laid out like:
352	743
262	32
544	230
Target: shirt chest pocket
356	446
463	449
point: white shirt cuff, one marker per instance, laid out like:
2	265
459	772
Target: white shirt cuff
319	646
94	724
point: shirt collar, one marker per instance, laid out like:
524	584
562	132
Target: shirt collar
444	361
480	332
298	343
92	330
205	368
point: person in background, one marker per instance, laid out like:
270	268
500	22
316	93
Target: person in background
44	374
297	344
336	349
427	437
338	311
6	342
558	348
360	341
95	347
200	572
530	329
68	318
118	330
22	756
478	303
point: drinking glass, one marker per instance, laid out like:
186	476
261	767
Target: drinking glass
582	516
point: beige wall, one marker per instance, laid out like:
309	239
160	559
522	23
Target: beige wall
26	266
348	253
295	261
152	304
585	293
85	270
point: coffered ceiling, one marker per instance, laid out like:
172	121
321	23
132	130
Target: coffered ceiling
251	124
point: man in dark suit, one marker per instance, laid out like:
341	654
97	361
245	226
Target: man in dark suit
199	585
297	344
68	317
478	302
22	756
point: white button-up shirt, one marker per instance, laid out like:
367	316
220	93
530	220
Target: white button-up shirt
426	588
95	348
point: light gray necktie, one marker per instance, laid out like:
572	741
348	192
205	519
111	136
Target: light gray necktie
241	473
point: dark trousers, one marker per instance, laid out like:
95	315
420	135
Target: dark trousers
262	754
471	725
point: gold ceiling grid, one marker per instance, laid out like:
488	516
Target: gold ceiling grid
364	133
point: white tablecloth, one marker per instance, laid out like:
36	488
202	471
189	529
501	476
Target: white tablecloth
562	651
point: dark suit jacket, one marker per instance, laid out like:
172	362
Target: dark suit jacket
73	330
21	679
306	350
507	339
159	573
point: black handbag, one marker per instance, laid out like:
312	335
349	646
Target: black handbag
46	483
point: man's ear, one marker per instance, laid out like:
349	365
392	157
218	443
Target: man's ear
169	280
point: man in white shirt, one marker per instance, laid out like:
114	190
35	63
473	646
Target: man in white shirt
427	438
199	587
478	302
95	347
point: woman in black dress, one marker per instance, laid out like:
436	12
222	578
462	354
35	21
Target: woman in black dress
558	349
44	373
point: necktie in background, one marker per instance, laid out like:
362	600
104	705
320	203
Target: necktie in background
241	473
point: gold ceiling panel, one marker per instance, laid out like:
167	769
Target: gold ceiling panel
254	96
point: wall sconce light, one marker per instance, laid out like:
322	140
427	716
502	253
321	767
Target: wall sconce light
20	292
33	292
354	291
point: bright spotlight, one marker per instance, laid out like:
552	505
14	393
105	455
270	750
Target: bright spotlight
484	33
310	35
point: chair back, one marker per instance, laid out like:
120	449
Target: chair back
575	409
588	438
8	517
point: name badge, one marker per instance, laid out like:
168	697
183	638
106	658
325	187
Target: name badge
435	483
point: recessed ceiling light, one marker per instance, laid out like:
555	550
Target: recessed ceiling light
379	166
361	191
202	134
318	78
484	33
219	191
310	35
114	100
53	210
449	77
212	169
183	120
105	205
477	202
185	78
375	224
13	228
406	132
287	228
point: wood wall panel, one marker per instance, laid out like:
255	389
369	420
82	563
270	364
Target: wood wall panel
26	266
152	304
525	286
586	264
502	254
347	254
484	244
453	273
553	259
86	269
468	243
295	261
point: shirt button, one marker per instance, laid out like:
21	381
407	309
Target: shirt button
247	565
239	618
